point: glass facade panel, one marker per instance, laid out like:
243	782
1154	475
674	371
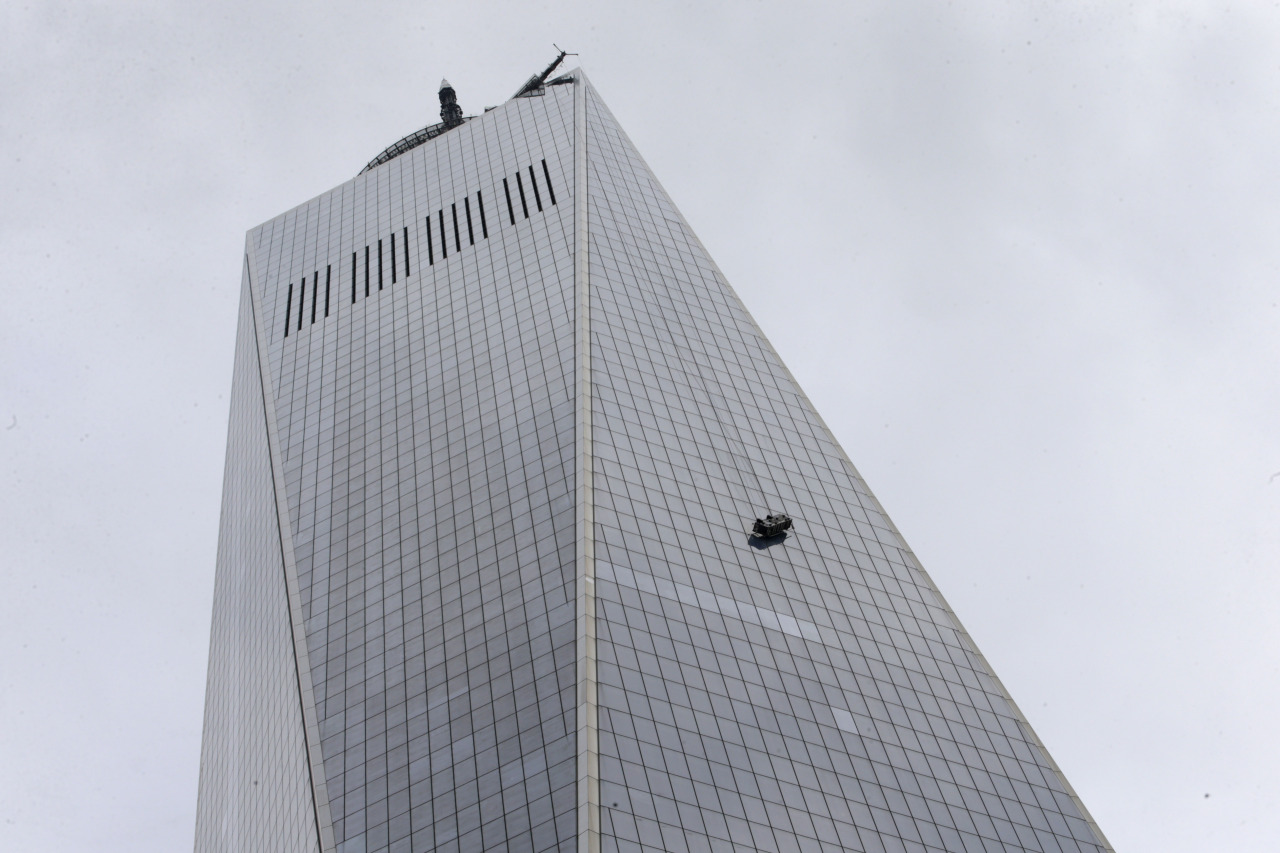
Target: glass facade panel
255	786
805	692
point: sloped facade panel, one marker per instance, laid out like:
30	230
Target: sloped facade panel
806	693
424	406
255	786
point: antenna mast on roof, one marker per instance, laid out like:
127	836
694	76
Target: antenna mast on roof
450	112
535	82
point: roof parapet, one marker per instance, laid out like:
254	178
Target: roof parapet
451	114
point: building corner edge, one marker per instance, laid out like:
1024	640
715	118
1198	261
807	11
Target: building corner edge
306	696
588	792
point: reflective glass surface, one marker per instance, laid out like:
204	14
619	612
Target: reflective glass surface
427	438
255	789
794	694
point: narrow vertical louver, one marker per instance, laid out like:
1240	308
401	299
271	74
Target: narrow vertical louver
537	196
315	286
546	173
379	265
471	236
484	226
524	205
406	251
510	210
288	309
366	272
393	257
444	241
353	278
302	301
328	278
457	241
431	249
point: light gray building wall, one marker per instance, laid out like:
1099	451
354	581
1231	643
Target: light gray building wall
255	786
486	578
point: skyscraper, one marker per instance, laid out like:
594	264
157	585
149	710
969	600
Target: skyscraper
530	542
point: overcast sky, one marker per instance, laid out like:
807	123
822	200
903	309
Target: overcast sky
1023	257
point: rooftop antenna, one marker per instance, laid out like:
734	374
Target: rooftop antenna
535	82
450	112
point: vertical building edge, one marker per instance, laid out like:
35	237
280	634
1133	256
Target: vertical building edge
306	695
588	733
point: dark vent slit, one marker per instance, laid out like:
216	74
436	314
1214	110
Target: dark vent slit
510	210
315	286
393	257
444	241
537	196
546	173
353	278
302	301
288	309
379	265
471	235
328	277
524	205
406	251
484	226
457	241
366	272
431	249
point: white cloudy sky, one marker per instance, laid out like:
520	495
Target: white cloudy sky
1022	256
